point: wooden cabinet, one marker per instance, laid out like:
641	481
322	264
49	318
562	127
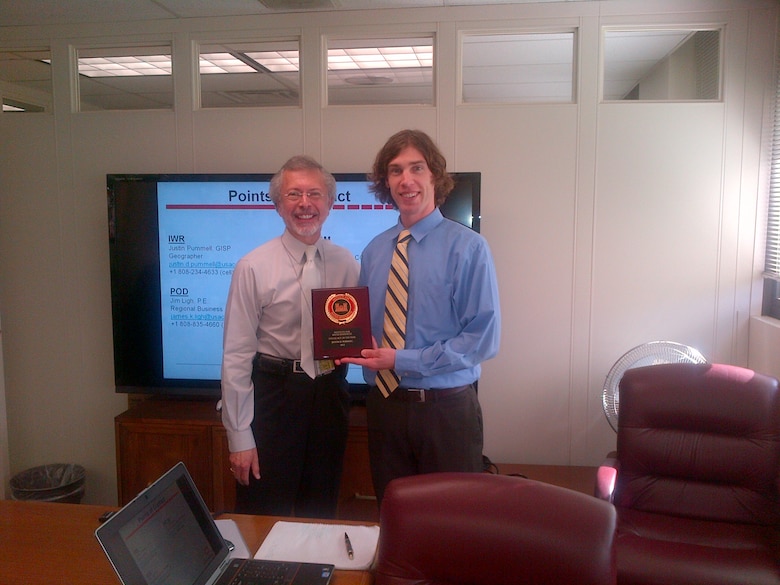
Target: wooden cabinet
357	500
155	434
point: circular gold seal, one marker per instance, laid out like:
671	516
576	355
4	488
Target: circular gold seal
341	308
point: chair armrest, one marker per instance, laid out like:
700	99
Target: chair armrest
606	477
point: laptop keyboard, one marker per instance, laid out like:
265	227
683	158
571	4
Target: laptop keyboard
264	573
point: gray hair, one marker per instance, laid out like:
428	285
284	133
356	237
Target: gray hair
301	162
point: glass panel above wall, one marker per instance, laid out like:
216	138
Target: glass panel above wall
518	67
380	71
25	80
250	74
662	65
125	78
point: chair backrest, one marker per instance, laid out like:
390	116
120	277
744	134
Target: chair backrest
475	528
700	441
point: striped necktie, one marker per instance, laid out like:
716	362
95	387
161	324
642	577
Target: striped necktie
394	334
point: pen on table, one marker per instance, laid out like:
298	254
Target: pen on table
348	544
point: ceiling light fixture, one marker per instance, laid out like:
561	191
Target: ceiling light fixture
366	58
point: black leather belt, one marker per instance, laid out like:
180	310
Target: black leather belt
271	364
426	395
275	365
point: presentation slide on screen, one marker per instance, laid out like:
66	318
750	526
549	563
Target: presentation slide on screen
205	228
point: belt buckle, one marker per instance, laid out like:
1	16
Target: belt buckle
296	367
420	393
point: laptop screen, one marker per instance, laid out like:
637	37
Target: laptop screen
165	535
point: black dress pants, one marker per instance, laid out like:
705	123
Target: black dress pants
409	438
300	428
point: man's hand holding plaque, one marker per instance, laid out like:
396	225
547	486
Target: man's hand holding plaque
342	322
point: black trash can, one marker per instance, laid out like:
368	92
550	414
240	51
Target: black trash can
56	482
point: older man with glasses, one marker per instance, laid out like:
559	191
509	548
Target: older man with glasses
286	415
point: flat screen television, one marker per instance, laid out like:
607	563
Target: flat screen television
173	242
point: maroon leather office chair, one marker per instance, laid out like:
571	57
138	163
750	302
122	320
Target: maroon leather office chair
697	476
479	528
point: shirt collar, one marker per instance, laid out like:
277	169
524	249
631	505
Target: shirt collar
424	226
296	247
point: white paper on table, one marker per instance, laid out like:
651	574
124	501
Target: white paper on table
320	543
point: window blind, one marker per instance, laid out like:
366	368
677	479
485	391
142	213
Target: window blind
772	259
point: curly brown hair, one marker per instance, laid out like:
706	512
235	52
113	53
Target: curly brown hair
442	181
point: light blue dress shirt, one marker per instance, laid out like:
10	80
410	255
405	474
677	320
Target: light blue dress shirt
453	320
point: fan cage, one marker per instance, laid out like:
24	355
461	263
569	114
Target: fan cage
648	354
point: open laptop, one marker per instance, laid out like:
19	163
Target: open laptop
167	536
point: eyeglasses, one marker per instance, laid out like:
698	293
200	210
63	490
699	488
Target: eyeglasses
296	196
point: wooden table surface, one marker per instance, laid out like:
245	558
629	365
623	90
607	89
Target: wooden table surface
53	543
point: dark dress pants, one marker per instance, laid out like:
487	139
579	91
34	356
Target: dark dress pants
409	438
300	429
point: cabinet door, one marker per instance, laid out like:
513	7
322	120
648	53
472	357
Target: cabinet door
356	497
146	450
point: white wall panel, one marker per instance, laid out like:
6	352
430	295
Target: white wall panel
35	337
658	226
102	143
351	137
528	218
246	140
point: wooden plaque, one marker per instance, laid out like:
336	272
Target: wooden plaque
342	322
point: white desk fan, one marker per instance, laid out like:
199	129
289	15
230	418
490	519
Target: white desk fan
648	354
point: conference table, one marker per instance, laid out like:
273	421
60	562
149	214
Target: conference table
54	543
